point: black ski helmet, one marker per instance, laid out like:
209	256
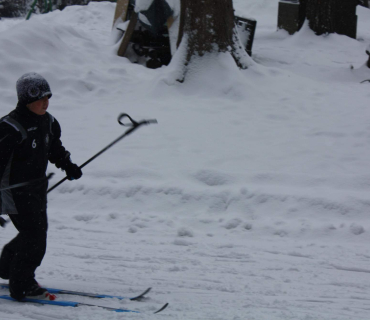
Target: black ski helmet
32	87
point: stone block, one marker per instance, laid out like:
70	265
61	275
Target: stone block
290	17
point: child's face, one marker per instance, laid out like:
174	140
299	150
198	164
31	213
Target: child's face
40	106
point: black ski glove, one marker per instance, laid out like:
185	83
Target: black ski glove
73	171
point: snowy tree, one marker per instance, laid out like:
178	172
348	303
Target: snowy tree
208	26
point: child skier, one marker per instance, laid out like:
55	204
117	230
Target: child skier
29	138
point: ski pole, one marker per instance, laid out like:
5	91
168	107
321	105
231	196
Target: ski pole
133	124
3	222
22	184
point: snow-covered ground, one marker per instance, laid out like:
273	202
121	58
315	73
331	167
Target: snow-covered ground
248	201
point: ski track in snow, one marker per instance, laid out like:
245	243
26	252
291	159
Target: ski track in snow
249	199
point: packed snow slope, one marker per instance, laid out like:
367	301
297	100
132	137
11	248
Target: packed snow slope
249	200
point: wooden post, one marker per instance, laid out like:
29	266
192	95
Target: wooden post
121	12
127	35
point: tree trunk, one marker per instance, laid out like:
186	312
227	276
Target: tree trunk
207	23
321	15
332	16
208	26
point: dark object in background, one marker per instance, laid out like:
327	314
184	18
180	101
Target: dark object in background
61	4
157	15
146	38
291	15
12	8
345	18
19	8
246	30
368	62
156	47
325	16
364	3
151	40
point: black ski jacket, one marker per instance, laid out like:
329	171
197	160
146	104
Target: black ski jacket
27	142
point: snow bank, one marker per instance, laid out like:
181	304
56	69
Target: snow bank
282	123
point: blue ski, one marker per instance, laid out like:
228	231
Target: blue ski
86	294
72	304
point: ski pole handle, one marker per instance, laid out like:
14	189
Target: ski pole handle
133	122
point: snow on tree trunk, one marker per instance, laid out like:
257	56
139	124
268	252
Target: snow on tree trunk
208	26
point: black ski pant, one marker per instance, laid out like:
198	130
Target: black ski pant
22	255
